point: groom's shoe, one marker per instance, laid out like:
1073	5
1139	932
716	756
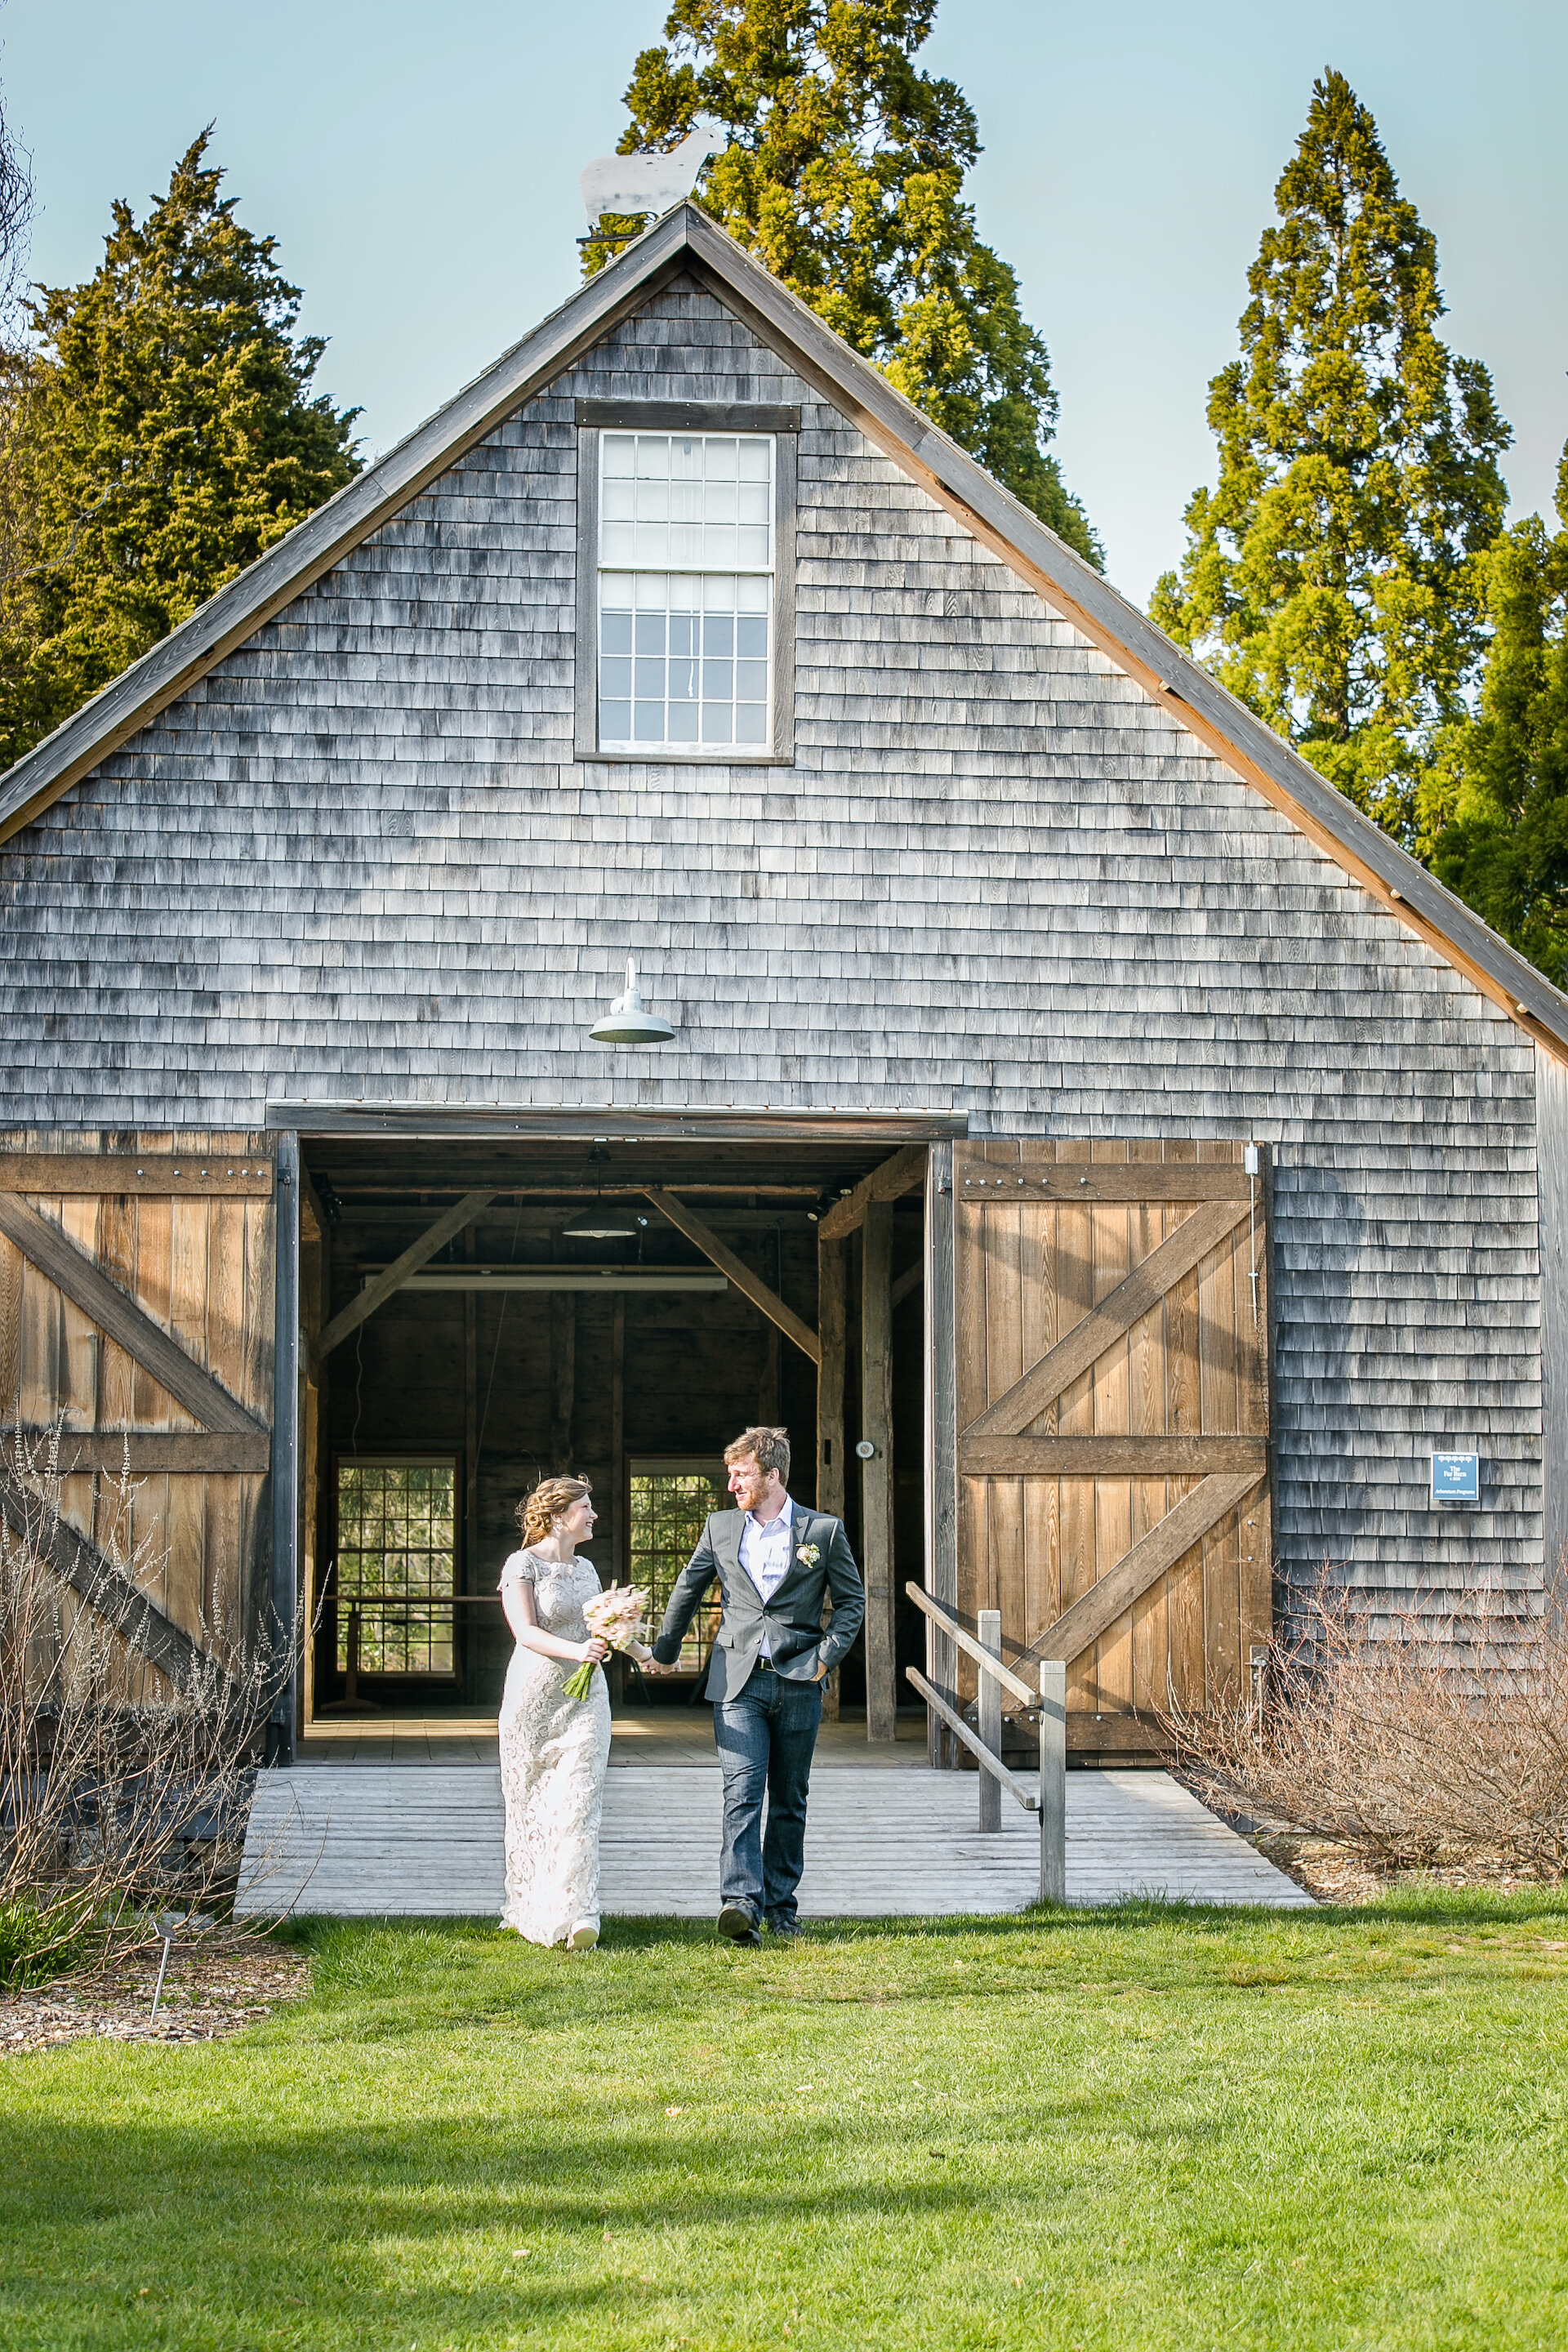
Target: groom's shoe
788	1928
738	1922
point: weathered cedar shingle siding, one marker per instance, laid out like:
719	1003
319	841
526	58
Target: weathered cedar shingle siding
358	860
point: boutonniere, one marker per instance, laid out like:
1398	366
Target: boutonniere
810	1554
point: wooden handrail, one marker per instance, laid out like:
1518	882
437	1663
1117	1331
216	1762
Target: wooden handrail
955	1723
967	1643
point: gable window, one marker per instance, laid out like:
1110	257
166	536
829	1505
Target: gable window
683	526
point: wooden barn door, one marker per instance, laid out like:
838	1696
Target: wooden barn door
1111	1323
136	1312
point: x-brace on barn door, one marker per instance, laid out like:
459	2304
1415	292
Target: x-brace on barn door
1113	1404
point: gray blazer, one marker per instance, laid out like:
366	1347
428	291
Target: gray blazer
792	1618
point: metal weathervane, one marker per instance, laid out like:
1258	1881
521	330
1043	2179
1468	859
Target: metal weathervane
641	185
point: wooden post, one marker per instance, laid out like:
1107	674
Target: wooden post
464	1631
562	1378
832	1319
876	1470
619	1544
768	1386
285	1416
620	1550
1053	1780
940	1441
988	1625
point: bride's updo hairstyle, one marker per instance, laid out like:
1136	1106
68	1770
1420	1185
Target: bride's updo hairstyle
537	1513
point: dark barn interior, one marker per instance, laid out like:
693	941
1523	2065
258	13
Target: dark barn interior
528	1344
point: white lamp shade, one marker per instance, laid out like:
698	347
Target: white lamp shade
628	1022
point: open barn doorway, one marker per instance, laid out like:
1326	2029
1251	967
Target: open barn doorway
619	1306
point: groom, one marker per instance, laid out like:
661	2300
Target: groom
774	1561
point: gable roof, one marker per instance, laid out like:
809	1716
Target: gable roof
686	239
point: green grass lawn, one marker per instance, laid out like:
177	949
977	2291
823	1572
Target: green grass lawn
1147	2127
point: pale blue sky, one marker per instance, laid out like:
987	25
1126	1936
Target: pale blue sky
420	167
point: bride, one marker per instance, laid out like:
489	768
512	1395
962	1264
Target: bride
554	1749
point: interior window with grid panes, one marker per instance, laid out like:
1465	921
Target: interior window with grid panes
396	1565
685	589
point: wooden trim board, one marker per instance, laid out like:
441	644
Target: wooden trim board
153	1453
171	1175
1071	1180
1110	1458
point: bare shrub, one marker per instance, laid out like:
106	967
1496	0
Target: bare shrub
127	1749
1436	1747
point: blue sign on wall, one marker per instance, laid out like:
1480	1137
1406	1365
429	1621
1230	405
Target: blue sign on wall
1456	1477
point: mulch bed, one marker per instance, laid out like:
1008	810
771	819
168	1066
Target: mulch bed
210	1989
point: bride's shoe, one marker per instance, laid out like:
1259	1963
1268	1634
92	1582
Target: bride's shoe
583	1936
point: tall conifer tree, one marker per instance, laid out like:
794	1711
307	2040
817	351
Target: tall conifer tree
1496	805
162	435
844	173
1329	580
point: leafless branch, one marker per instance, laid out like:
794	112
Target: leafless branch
1441	1743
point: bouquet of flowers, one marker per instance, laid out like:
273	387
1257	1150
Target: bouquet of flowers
614	1617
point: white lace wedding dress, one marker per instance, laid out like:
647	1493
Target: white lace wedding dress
553	1751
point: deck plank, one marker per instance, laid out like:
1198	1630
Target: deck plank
383	1840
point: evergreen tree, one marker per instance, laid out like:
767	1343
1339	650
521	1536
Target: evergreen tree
1496	807
844	174
159	437
1329	580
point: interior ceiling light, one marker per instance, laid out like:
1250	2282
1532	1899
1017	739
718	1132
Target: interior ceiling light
601	1225
628	1021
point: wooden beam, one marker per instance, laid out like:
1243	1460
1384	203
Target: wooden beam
876	1472
376	1294
155	1452
104	1303
184	1174
138	1622
910	1280
748	1284
1117	1312
904	1172
1110	1458
1136	1570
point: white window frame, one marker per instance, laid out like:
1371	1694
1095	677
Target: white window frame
594	419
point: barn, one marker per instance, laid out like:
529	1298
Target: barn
1133	1180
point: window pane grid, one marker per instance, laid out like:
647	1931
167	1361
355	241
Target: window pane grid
685	590
397	1565
668	1509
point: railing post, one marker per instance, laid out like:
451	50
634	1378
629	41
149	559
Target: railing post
1053	1780
988	1625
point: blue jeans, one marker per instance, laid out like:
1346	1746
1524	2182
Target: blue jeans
765	1736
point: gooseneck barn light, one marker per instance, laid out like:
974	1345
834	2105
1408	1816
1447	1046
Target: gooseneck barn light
628	1021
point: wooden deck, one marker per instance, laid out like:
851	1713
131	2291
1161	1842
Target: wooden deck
409	1837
